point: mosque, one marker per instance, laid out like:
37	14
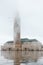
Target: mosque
21	43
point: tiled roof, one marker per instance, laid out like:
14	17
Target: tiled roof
25	40
28	40
9	41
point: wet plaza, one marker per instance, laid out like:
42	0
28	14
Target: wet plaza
21	57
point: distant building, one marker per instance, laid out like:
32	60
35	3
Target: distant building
27	44
8	45
21	44
31	44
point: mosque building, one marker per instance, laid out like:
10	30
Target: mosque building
21	43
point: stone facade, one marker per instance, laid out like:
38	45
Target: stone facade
31	46
25	45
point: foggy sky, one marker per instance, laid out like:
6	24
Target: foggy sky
31	17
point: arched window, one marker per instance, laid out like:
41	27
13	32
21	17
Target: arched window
25	49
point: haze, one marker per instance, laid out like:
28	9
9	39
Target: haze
31	17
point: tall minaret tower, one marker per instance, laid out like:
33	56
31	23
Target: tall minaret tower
17	40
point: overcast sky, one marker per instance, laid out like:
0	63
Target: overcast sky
31	17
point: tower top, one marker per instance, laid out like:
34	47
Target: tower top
17	23
17	18
17	28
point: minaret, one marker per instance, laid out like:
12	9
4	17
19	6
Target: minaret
17	40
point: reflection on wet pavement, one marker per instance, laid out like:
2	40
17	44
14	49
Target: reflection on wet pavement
23	57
